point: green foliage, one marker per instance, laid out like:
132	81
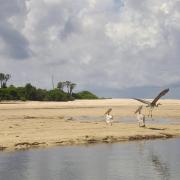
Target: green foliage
41	94
29	92
61	85
85	95
9	93
56	95
21	93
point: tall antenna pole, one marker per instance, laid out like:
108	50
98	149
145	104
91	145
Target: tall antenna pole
52	79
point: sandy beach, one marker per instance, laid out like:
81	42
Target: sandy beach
46	124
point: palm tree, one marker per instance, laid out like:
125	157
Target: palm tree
72	86
6	78
3	79
61	85
68	83
2	75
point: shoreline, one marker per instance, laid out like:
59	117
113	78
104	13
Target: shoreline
87	140
28	125
107	140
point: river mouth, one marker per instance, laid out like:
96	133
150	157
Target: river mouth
152	159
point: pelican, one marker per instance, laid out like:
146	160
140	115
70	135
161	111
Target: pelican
108	117
140	117
154	103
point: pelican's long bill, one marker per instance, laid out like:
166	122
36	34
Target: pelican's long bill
108	111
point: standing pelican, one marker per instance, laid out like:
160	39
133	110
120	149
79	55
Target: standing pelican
108	117
140	117
154	103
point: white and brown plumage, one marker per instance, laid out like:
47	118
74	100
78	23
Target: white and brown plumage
154	103
108	117
140	117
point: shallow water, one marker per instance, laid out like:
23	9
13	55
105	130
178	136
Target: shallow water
127	119
150	120
157	160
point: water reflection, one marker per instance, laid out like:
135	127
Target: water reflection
159	159
161	167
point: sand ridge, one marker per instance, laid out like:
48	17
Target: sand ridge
46	124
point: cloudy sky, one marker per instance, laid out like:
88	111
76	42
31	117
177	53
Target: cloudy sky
114	48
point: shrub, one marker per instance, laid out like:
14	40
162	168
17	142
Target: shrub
85	95
56	95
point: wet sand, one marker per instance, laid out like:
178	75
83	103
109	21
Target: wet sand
46	124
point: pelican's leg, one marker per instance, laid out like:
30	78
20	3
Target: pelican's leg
149	112
144	121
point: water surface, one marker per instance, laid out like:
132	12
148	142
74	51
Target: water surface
141	160
126	119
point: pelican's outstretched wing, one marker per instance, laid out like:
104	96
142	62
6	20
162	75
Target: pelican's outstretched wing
162	93
143	101
139	109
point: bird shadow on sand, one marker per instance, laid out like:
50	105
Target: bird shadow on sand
152	128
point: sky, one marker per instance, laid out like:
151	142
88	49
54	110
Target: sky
114	48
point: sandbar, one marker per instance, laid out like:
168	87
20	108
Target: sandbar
45	124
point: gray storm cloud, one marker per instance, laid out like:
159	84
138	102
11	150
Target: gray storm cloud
13	43
102	45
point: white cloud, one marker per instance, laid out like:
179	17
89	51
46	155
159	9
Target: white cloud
52	1
104	44
92	3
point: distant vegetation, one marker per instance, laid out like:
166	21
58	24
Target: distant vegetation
85	95
63	92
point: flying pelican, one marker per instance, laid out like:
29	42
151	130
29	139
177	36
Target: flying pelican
140	117
154	103
108	117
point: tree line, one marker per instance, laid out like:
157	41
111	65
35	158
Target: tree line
62	92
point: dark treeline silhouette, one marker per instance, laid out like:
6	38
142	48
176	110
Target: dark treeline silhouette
63	92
